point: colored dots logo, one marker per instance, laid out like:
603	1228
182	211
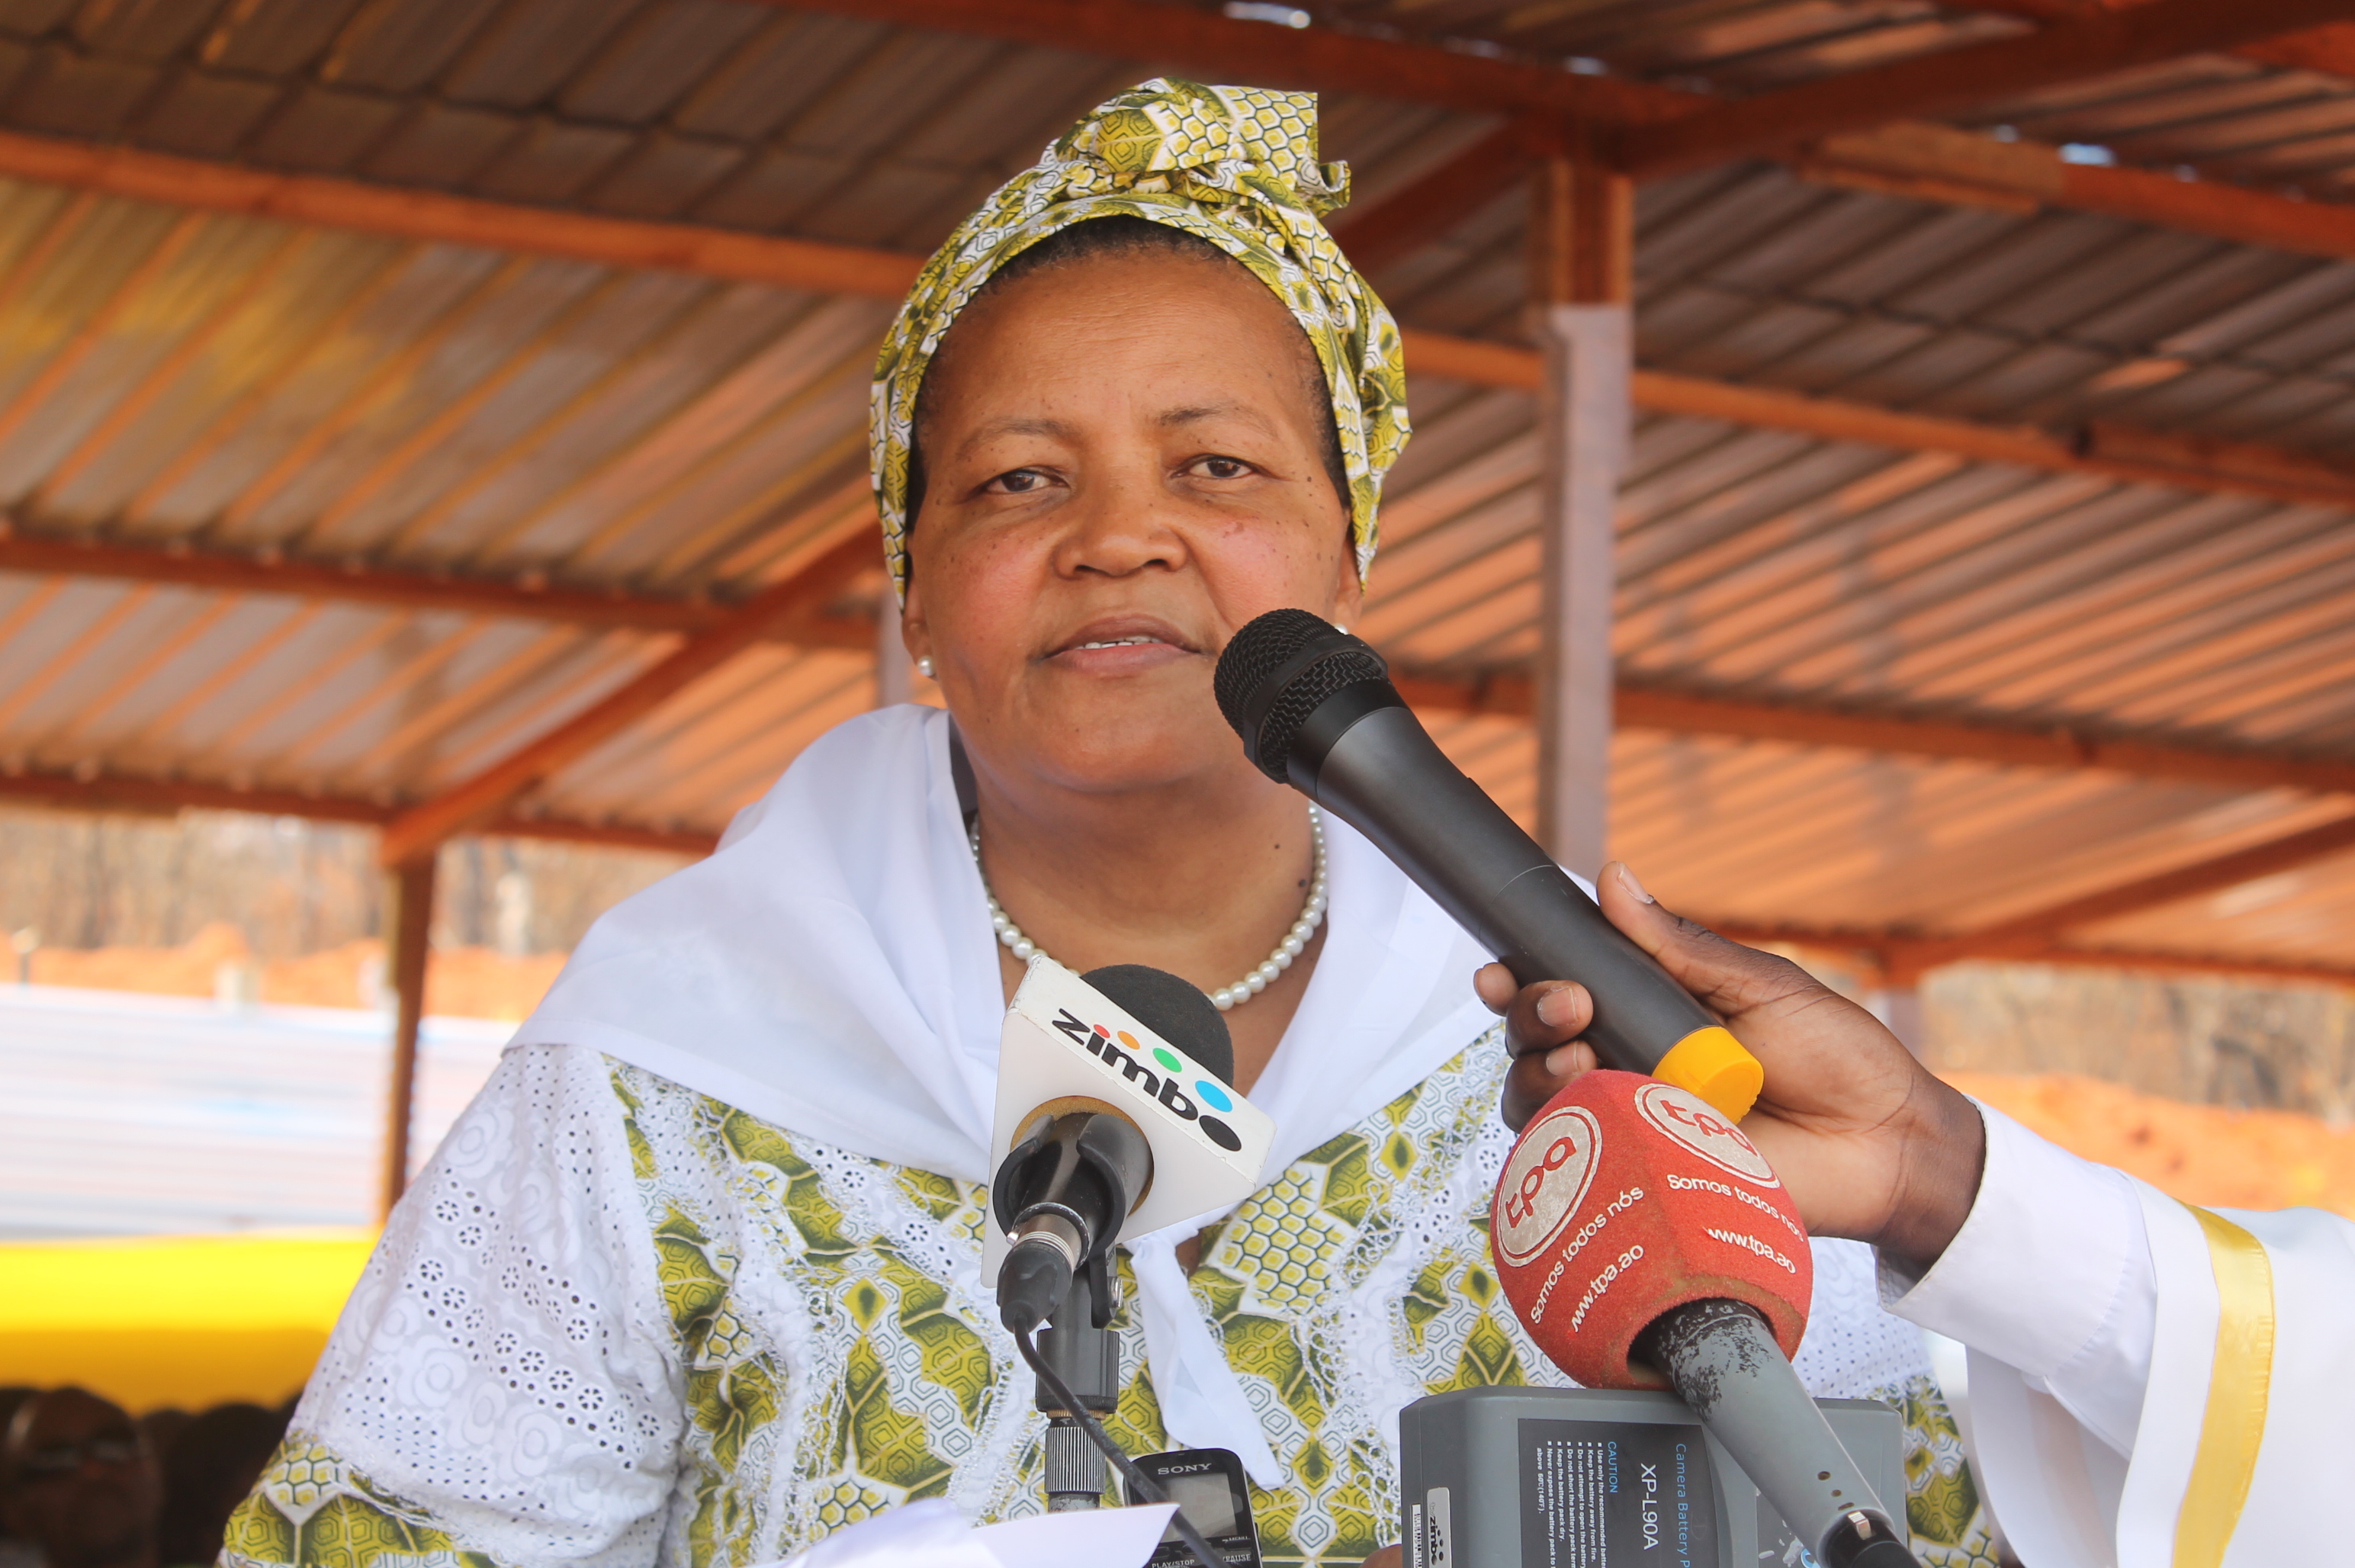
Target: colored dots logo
1212	1095
1168	1060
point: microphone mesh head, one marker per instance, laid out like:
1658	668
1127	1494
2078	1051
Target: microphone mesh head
1177	1011
1257	651
1267	697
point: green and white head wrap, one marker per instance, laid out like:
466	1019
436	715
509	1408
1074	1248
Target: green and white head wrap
1234	166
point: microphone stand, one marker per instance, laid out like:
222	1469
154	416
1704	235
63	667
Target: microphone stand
1079	1345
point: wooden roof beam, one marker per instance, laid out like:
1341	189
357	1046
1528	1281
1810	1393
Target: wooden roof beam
221	571
1431	205
2110	451
2039	934
2090	44
2328	49
462	807
1896	155
1886	954
131	794
1638	705
527	599
1505	694
420	215
1223	49
1939	164
2040	929
2113	452
1923	162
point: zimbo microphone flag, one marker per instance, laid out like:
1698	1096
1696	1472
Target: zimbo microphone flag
1315	710
1066	1047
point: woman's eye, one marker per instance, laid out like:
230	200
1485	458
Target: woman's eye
1222	467
1019	482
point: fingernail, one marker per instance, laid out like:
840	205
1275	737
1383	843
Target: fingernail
1559	1062
1550	1008
1634	887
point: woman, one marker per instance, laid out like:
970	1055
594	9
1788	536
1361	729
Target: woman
697	1276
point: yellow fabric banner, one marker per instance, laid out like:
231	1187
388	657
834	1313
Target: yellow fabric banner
179	1321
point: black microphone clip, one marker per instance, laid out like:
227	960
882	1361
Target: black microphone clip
1061	1193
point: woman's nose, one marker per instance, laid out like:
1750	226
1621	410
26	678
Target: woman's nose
1121	525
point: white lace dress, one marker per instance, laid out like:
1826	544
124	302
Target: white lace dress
618	1322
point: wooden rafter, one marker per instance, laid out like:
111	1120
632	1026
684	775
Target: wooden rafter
529	600
2040	935
1937	163
1429	206
133	795
2040	929
420	828
2328	49
1220	47
1967	169
1914	159
1508	694
2111	451
1928	161
1505	694
1887	955
409	214
2091	43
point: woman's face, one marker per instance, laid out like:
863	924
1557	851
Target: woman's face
1123	463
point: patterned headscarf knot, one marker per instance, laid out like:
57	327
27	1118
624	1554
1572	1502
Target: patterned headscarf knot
1234	166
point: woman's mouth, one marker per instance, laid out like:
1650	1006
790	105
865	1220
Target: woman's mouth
1112	648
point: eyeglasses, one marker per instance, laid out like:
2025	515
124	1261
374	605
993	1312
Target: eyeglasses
64	1459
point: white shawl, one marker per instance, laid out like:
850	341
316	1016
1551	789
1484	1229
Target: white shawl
831	969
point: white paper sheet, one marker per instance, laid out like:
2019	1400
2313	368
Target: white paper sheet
932	1534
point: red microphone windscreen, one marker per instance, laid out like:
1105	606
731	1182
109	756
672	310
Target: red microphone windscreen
1627	1196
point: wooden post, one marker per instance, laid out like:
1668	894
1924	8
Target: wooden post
1582	233
409	927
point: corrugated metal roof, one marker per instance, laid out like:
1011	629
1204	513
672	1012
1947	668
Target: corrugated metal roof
239	384
2228	117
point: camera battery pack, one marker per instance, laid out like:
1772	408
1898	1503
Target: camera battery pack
1546	1478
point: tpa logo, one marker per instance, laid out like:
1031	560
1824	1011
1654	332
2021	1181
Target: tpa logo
1694	1123
1120	1052
1545	1181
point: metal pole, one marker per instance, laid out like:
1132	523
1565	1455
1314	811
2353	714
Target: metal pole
1581	234
409	928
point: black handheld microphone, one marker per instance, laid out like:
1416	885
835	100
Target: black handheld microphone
1317	711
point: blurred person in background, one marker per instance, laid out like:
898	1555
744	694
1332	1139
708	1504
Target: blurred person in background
78	1483
14	1553
161	1427
207	1470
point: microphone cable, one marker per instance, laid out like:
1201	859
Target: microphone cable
1143	1484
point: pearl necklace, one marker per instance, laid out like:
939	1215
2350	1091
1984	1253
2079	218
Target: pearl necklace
1312	915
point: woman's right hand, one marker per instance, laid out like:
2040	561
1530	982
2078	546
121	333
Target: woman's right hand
1872	1144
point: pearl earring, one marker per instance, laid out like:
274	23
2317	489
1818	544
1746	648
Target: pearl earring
924	667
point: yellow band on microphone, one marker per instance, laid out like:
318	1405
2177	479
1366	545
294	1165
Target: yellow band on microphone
1714	1065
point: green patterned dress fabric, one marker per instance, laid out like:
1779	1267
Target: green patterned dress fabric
1234	166
821	1352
